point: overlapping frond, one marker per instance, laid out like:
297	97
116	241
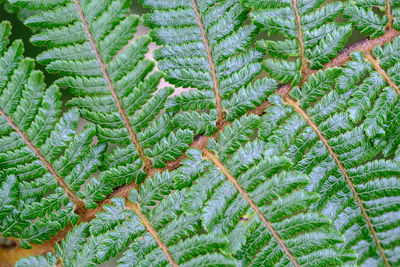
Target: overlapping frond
44	161
92	45
206	47
314	181
373	17
149	228
341	128
259	203
220	220
311	35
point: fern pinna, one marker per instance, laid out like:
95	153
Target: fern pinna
330	142
241	225
44	160
239	170
208	50
103	65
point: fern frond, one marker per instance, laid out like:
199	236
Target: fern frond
365	18
312	37
206	46
311	179
43	159
220	220
258	203
93	46
333	129
149	228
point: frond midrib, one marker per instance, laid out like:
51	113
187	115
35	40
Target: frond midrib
322	138
214	159
218	103
80	206
132	134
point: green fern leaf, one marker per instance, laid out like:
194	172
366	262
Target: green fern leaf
362	14
93	46
171	237
312	37
335	136
243	172
43	160
206	46
263	209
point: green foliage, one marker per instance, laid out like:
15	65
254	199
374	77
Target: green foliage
34	206
119	229
320	35
367	17
206	45
296	166
356	122
279	193
115	87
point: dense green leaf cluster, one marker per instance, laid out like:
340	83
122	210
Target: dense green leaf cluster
206	46
312	37
367	16
119	229
234	231
114	84
356	123
270	158
36	146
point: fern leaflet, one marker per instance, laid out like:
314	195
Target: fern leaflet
92	45
44	161
332	140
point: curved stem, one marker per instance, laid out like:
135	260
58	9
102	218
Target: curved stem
321	137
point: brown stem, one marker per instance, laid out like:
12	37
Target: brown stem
310	123
80	206
303	58
382	72
146	160
366	46
388	14
136	208
220	109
